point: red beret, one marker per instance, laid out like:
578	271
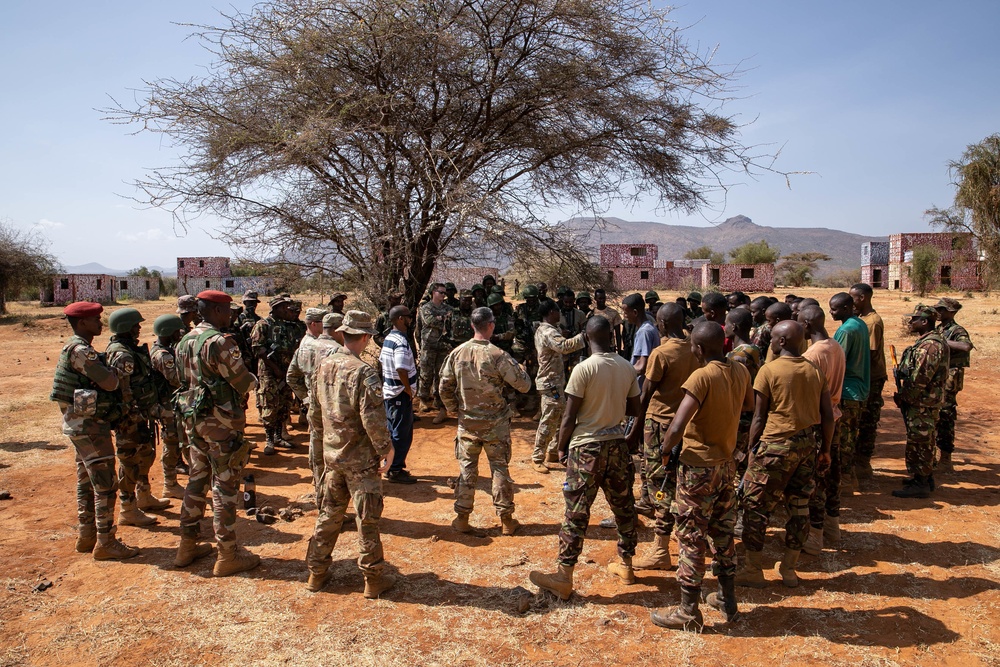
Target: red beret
215	296
83	309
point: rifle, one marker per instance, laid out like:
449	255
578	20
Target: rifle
895	366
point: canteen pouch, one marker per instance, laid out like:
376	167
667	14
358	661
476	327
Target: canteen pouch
84	402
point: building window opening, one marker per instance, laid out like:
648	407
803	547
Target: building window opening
746	274
64	283
638	251
644	275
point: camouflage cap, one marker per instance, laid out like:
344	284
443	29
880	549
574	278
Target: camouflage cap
315	314
338	295
530	291
187	304
251	295
494	300
923	311
357	322
333	320
477	286
278	300
465	294
653	296
694	296
949	304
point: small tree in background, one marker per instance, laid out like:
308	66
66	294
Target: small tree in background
706	252
798	269
754	252
924	267
24	262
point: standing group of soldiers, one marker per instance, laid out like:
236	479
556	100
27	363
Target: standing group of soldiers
723	406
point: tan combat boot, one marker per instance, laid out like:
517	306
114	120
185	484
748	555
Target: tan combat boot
686	616
190	550
786	568
831	530
441	417
540	468
752	573
171	489
461	523
131	515
376	584
509	524
559	584
145	500
814	543
944	463
622	568
318	580
230	561
552	458
86	540
110	547
658	558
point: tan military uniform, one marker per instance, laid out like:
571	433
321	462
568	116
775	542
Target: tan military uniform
432	330
551	347
311	351
473	380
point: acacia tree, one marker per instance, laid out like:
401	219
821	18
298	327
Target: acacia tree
754	252
706	252
798	268
924	268
384	135
24	261
976	178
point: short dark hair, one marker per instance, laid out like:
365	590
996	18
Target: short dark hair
762	301
715	301
741	318
864	288
634	301
395	312
600	290
546	307
353	337
480	318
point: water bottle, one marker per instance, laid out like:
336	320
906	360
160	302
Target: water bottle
249	493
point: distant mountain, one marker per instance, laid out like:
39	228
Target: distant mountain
94	267
674	240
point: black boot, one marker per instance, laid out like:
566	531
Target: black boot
685	617
269	436
725	599
918	487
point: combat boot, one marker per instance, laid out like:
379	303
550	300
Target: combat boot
944	462
110	547
540	468
685	617
831	530
269	441
622	568
87	538
190	550
552	458
461	523
786	568
441	417
231	561
376	584
171	489
559	584
318	580
863	469
752	573
658	558
725	599
814	543
145	500
131	515
509	524
918	487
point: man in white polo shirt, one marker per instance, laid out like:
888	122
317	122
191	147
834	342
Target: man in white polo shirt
399	380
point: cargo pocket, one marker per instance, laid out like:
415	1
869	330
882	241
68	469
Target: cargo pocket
85	402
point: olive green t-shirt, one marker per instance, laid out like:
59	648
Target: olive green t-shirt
710	436
603	382
794	386
876	337
668	367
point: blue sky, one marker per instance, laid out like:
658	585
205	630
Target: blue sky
873	97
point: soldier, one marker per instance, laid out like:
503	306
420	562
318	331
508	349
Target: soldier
348	411
551	347
168	329
473	380
703	429
479	296
583	303
274	340
791	397
852	334
461	324
601	392
760	333
336	303
921	382
694	307
433	331
87	393
613	317
214	381
399	381
572	322
651	299
669	366
543	292
187	308
526	320
871	410
451	291
488	283
246	321
960	347
503	331
738	324
134	432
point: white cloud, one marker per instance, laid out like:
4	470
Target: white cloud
48	224
153	234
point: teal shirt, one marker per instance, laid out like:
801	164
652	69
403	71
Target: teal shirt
853	337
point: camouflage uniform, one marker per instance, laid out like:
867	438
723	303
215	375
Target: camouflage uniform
760	336
551	347
958	362
657	477
164	362
214	381
923	377
300	374
749	355
461	326
590	467
88	412
433	329
134	433
279	339
246	322
504	331
473	379
847	434
347	411
574	321
705	510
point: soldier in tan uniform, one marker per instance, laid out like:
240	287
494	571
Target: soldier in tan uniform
346	408
168	329
473	379
433	331
551	347
214	381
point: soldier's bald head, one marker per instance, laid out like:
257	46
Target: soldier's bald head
789	335
670	314
709	337
779	311
812	315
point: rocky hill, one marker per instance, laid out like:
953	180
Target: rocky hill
674	240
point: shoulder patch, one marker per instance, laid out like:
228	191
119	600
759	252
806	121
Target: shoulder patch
91	354
128	367
168	362
372	382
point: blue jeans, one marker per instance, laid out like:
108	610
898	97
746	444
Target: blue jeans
399	419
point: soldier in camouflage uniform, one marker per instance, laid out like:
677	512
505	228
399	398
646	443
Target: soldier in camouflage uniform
134	432
602	390
551	348
346	409
246	321
526	320
433	330
503	331
572	322
274	341
86	391
187	310
959	348
921	381
474	378
168	329
451	299
479	296
461	319
214	381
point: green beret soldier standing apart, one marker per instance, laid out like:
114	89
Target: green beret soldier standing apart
921	381
86	391
347	411
134	433
214	381
168	329
959	348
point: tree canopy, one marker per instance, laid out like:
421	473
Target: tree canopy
384	135
24	261
705	252
924	268
798	269
754	252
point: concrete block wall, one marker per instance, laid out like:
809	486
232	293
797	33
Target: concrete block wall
137	288
617	255
69	287
202	267
749	278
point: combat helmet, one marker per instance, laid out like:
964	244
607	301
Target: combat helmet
166	325
122	320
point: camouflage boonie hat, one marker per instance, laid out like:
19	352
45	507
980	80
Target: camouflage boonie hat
951	305
278	300
465	294
315	314
187	304
251	295
357	322
333	320
924	311
494	300
530	291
